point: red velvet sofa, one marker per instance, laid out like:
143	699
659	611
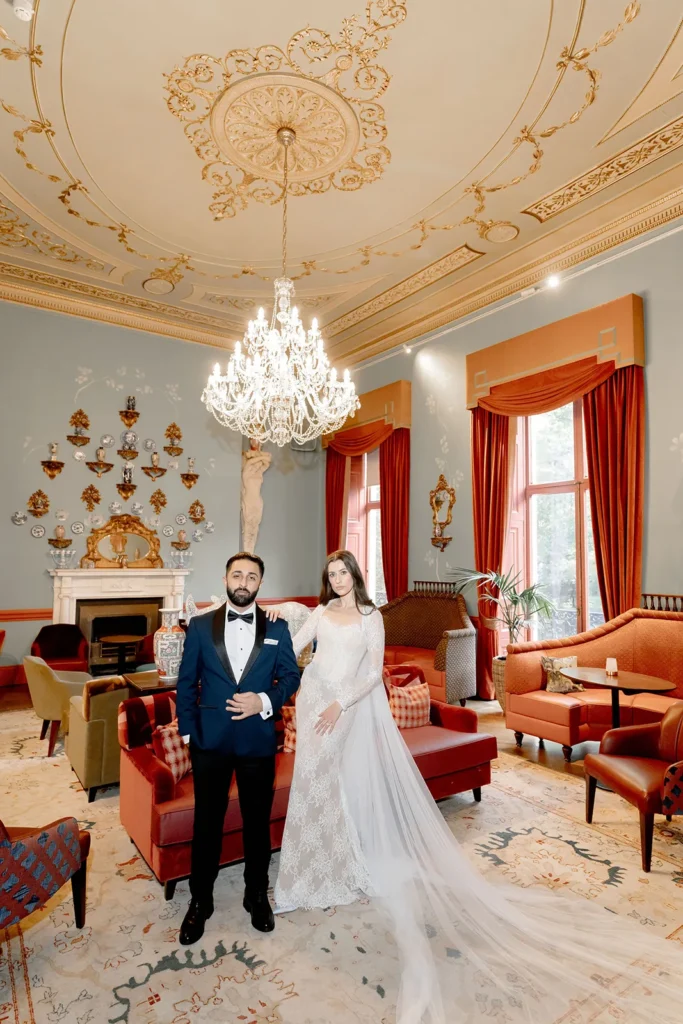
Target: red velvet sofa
158	813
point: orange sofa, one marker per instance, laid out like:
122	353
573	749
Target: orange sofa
650	642
434	632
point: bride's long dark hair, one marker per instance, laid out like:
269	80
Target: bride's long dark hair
327	594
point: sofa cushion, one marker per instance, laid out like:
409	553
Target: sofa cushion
421	656
651	707
439	751
555	681
563	709
598	704
170	747
410	703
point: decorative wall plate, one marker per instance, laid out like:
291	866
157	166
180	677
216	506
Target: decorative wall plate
97	522
153	522
77	529
80	456
167	531
149	445
107	441
61	515
115	508
37	531
19	518
137	508
209	527
181	519
130	438
197	535
173	464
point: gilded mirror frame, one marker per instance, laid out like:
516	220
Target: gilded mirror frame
120	525
438	525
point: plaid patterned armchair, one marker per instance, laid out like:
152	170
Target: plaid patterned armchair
433	631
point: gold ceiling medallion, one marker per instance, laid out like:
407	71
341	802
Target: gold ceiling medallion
324	88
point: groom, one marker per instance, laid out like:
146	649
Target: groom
238	669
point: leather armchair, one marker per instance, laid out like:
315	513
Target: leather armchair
60	850
92	743
50	695
63	646
644	765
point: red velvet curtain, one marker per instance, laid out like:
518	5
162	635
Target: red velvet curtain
614	415
334	498
542	392
490	483
360	440
394	492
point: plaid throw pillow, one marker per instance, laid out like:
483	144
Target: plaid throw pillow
557	683
409	702
289	718
170	747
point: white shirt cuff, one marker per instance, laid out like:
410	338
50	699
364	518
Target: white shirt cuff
267	706
186	739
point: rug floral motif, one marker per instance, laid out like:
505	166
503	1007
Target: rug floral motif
127	967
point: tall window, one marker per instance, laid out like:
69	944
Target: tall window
551	535
363	522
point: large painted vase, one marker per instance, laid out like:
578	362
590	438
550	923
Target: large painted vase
169	641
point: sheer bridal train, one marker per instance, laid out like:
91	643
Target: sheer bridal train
361	821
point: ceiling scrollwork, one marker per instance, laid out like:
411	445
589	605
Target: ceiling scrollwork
344	91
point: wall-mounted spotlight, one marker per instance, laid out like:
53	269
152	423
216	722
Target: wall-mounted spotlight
553	281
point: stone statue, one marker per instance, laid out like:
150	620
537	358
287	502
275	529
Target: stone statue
255	462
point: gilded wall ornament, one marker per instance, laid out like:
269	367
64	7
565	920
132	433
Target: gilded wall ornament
80	423
52	466
196	512
91	497
38	504
323	86
16	233
158	501
441	496
173	435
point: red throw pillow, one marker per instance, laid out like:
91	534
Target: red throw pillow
171	748
409	697
289	718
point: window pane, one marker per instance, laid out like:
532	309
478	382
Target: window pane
553	561
372	468
594	613
551	446
376	587
373	492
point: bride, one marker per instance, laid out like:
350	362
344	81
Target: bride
361	821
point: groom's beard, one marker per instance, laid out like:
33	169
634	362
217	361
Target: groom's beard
241	597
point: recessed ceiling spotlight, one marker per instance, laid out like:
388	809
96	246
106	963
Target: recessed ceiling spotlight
553	281
23	9
407	349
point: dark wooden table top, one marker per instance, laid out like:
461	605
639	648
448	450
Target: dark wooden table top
620	681
148	682
120	638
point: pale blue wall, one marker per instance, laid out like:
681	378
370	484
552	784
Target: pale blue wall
43	354
441	420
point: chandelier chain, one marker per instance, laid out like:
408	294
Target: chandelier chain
284	215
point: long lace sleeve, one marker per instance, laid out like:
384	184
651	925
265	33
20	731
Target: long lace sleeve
373	626
308	631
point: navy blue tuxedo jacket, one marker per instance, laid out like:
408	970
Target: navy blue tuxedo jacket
206	680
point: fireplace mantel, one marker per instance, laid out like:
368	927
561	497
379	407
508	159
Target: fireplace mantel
72	585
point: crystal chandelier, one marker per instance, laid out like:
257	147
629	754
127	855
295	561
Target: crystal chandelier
279	387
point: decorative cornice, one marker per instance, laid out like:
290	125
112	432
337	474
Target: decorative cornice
640	154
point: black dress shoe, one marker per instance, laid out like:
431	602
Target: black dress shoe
192	928
261	914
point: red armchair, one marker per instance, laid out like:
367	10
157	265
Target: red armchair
63	647
36	862
158	813
644	765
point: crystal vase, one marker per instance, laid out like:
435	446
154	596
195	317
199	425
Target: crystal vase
169	641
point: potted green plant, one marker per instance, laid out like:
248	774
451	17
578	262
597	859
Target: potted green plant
515	608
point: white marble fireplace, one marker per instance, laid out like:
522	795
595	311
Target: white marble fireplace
73	585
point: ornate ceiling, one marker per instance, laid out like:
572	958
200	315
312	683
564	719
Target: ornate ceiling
447	155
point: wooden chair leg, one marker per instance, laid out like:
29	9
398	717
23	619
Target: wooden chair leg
647	827
567	751
477	794
541	744
591	786
669	817
92	792
169	889
78	889
519	736
463	701
44	728
54	729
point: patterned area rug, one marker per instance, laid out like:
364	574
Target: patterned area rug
126	966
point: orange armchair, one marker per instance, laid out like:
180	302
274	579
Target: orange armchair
63	647
644	765
36	862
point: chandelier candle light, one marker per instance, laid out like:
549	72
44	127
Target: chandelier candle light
280	387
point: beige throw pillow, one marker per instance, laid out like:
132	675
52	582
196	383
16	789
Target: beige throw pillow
557	683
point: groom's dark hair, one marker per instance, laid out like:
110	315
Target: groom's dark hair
251	558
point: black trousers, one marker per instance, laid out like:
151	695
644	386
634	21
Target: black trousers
213	772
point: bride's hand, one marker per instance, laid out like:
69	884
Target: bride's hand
328	719
273	613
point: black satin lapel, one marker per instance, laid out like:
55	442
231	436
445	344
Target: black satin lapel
258	641
218	634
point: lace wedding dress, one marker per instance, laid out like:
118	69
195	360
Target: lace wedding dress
362	821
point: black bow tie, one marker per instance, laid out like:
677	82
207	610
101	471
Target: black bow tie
248	618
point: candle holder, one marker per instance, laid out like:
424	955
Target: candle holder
190	478
52	467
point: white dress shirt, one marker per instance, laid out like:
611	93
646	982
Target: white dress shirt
240	637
